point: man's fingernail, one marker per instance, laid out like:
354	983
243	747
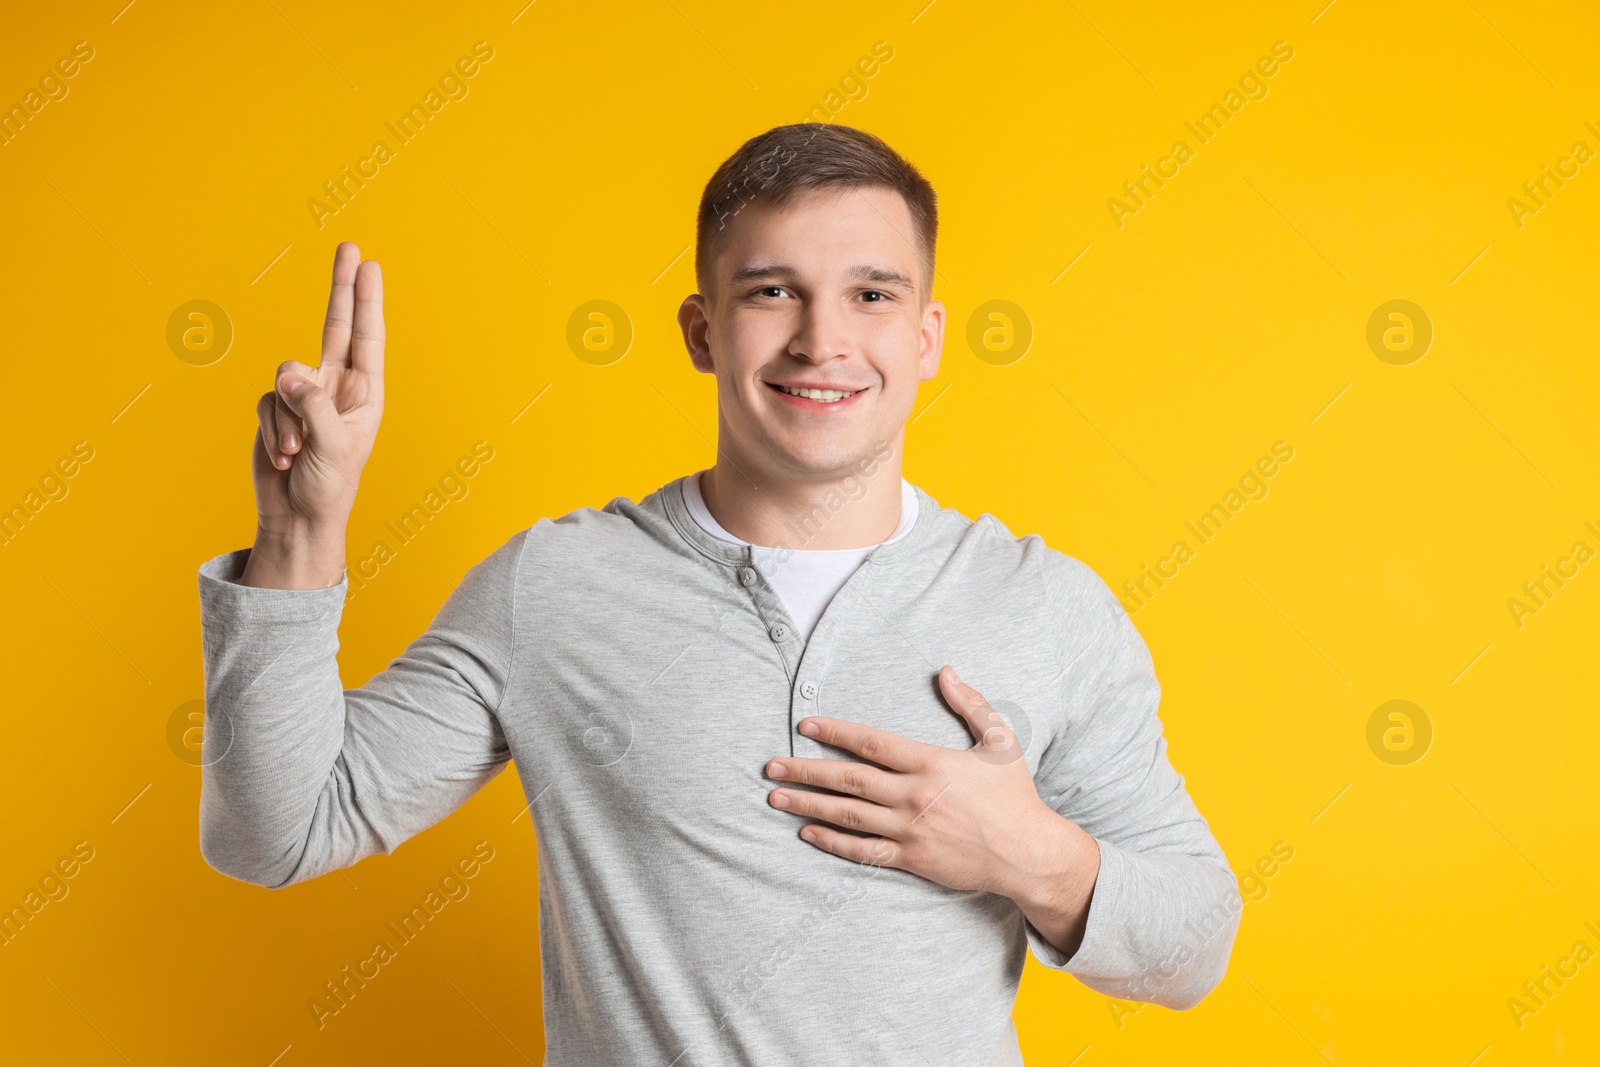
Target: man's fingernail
954	677
808	728
777	770
780	800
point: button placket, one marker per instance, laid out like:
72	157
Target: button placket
771	611
841	613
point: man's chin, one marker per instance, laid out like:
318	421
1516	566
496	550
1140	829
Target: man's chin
833	460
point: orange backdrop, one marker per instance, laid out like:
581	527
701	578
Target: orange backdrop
1283	315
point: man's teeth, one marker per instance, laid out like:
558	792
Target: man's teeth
817	394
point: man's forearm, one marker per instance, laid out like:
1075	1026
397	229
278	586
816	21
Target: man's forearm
1164	922
274	719
1053	880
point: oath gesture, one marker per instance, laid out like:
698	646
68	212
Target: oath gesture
318	426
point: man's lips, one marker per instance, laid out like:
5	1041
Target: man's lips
806	403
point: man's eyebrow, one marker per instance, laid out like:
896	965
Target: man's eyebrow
882	275
758	271
862	272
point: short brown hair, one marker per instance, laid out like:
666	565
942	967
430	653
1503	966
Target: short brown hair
788	161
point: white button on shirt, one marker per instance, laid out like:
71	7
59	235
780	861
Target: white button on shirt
806	579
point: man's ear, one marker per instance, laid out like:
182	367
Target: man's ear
932	340
694	319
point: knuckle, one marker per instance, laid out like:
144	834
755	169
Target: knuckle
850	819
853	781
872	747
998	738
881	852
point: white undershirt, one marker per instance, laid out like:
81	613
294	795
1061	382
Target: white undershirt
806	579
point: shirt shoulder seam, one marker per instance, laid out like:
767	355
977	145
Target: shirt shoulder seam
511	660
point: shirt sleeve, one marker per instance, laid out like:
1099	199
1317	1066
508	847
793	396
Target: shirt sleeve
301	776
1166	905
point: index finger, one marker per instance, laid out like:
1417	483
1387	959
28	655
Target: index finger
341	301
870	743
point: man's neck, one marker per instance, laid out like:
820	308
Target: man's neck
853	511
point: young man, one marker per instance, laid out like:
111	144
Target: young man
773	825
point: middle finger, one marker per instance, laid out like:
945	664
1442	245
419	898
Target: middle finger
842	776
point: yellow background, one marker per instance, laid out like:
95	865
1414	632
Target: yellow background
1226	315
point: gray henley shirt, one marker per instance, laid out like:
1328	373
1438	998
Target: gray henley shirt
642	673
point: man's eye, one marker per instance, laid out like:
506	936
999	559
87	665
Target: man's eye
767	290
876	292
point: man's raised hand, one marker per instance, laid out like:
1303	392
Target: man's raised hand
317	428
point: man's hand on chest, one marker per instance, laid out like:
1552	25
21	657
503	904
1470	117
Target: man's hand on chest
965	818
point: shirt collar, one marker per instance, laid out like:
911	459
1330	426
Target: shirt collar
743	555
702	514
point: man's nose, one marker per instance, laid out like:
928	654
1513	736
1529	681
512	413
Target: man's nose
822	334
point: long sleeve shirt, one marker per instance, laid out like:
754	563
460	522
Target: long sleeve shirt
641	673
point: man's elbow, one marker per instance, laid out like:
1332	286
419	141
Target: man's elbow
1200	984
1205	971
223	855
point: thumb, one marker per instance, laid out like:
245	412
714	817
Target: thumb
970	705
312	403
996	742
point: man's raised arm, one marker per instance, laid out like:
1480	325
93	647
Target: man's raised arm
302	776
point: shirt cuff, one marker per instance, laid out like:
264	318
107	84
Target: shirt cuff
1099	941
223	598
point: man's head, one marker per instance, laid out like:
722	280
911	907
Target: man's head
814	258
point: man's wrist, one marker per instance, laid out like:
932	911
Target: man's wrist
297	557
1054	885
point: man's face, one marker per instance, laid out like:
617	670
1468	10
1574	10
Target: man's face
825	293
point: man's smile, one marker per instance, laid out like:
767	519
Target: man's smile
813	398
